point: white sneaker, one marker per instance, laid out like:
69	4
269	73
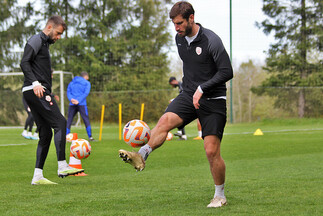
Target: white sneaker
35	136
25	134
30	135
217	202
178	133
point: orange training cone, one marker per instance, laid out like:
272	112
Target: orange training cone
76	163
71	136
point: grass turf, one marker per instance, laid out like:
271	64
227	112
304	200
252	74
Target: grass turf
279	173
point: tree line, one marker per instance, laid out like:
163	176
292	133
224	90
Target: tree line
124	44
295	60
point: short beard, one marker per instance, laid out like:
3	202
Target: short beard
188	30
50	38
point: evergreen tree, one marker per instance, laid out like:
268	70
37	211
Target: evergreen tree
14	31
295	60
121	43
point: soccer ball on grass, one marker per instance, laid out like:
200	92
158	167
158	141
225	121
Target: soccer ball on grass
136	133
169	136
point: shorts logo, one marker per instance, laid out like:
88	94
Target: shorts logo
198	50
48	98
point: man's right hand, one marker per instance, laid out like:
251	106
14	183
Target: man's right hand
39	91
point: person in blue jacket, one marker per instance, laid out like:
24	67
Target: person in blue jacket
77	91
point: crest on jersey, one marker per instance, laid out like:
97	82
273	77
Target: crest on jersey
48	98
198	50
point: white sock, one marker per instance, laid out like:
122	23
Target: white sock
219	191
145	151
180	133
200	133
62	164
38	173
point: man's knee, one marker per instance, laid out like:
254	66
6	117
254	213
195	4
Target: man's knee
212	146
59	124
45	133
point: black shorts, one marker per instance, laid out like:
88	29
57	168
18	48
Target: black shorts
212	113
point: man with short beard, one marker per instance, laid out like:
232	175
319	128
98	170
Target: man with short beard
36	66
206	68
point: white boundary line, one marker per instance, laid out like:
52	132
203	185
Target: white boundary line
277	131
15	144
11	127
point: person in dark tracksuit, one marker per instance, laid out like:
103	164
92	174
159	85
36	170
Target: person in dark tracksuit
175	83
36	66
77	91
29	123
181	130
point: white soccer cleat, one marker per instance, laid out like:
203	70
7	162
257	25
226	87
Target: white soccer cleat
178	133
183	137
217	202
35	136
67	170
25	134
30	135
133	158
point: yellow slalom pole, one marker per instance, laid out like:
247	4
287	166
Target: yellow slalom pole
120	120
101	125
142	111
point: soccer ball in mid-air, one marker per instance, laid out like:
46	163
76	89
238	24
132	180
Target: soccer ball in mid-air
136	133
80	148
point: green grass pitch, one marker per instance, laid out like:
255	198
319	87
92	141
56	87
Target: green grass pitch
279	173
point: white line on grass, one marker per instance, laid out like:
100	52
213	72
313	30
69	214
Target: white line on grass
11	127
15	144
278	131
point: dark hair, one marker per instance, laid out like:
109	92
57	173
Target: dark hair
57	20
83	74
171	79
181	8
